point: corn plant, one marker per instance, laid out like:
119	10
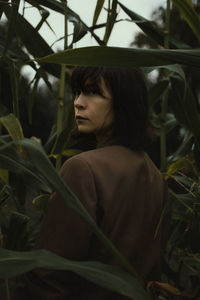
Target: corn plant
25	164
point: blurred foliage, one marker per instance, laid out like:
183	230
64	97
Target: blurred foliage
43	113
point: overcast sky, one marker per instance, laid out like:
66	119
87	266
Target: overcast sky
122	34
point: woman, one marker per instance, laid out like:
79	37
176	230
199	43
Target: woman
117	183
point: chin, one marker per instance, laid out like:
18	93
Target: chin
85	130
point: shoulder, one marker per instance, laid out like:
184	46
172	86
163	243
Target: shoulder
116	156
75	164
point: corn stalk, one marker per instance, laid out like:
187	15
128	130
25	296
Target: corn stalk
62	86
163	154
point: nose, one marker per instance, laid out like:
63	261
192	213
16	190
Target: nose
79	102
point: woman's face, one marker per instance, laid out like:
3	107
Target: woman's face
94	112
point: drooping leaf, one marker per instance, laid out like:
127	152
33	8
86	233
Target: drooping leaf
41	202
72	16
33	41
13	126
156	92
68	125
113	278
11	23
188	12
124	57
12	160
180	199
3	3
175	68
184	147
185	106
170	123
14	52
79	31
18	223
179	165
152	30
4	175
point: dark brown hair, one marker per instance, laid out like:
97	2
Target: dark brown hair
127	86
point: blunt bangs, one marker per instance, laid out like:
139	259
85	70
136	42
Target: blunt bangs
86	79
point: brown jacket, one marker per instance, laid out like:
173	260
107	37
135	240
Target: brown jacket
125	193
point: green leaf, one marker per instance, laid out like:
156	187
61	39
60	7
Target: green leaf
13	126
111	19
151	29
184	147
79	32
172	68
71	152
181	201
17	233
12	160
72	16
15	51
14	86
124	57
110	277
185	107
188	12
68	126
10	64
179	165
156	92
33	41
3	3
99	6
4	175
11	23
41	202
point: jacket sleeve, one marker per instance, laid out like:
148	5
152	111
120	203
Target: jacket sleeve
64	233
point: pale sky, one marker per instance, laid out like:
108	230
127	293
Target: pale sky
121	36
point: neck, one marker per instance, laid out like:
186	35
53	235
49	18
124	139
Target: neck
105	138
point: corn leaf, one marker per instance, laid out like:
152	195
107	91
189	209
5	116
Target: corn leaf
175	68
152	30
3	3
179	165
13	126
183	148
113	278
14	86
72	16
156	92
99	6
12	160
124	57
188	12
111	19
11	23
31	39
185	106
4	175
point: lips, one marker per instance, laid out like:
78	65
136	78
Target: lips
80	118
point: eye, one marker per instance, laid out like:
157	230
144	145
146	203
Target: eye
92	92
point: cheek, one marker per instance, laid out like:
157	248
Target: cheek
108	116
